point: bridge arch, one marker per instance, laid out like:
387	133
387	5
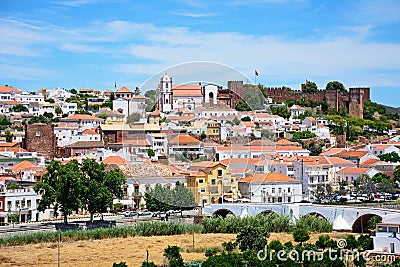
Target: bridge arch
267	212
317	214
223	213
360	224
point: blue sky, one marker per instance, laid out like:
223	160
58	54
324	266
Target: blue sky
95	43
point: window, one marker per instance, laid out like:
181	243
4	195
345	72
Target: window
1	205
288	190
273	190
289	199
201	181
202	190
9	205
213	182
37	133
219	172
29	203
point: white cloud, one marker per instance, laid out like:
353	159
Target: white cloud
195	15
152	48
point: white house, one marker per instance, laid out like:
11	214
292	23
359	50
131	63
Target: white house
387	236
270	188
296	111
68	108
382	149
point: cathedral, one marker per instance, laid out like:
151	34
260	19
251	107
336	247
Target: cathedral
170	97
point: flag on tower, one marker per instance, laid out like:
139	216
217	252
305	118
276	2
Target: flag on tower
256	72
307	81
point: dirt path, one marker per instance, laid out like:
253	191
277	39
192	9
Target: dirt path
131	250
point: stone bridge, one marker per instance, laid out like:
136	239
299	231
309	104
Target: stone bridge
344	218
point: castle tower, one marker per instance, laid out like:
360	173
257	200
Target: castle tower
164	94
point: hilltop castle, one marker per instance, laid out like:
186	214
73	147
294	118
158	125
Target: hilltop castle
353	100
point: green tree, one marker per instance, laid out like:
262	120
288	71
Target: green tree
151	153
134	117
174	256
396	174
242	106
13	218
298	136
58	110
48	115
371	223
4	122
301	235
390	157
9	136
162	198
310	87
102	116
60	188
351	242
148	264
281	111
137	91
150	94
252	238
121	264
246	118
99	187
13	186
335	85
19	108
236	121
73	91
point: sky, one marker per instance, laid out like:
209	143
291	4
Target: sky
97	43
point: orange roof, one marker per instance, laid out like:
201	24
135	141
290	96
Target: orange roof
187	90
9	144
155	113
242	161
314	160
312	119
269	178
114	160
332	151
13	102
353	153
124	90
339	161
80	117
197	173
351	170
248	123
184	139
9	89
381	147
17	116
89	131
296	107
370	162
285	142
23	166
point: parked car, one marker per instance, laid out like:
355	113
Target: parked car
129	213
144	212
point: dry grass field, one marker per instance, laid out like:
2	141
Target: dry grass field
131	250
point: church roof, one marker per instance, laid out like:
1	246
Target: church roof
124	90
187	90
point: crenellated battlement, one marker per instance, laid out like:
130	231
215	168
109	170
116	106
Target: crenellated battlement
353	100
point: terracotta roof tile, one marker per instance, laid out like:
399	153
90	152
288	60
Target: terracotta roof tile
23	166
184	139
124	90
114	160
269	178
76	117
351	170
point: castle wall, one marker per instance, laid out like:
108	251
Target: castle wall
353	100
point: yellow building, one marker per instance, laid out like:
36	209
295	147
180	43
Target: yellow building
213	130
208	184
